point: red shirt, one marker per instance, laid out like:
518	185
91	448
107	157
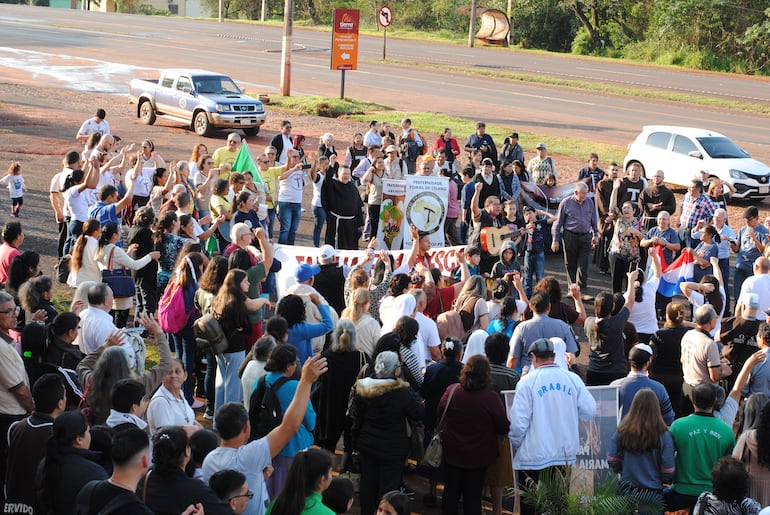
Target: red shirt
7	253
447	295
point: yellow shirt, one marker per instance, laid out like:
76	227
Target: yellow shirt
270	176
224	155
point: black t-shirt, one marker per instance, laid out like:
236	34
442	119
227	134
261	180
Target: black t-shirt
142	236
127	502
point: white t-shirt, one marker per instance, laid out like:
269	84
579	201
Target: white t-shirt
91	126
316	202
77	203
759	284
643	314
697	300
290	189
430	337
143	183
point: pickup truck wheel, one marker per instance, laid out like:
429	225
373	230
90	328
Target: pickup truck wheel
146	113
251	131
201	124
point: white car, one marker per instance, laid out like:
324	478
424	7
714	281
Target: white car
682	152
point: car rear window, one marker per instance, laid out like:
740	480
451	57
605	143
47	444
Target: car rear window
658	140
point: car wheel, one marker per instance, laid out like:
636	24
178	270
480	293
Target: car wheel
251	131
147	113
201	124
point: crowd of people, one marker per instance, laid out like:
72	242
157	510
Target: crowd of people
373	359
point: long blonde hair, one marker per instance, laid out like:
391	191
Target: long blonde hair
358	300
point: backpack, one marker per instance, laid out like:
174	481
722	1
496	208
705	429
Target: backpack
115	504
456	323
209	335
265	412
63	268
172	315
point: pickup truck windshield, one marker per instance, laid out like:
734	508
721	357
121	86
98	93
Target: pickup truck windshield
216	85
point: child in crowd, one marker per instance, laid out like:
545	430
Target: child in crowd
394	503
16	187
534	246
512	215
472	259
509	261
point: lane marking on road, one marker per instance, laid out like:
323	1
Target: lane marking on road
79	73
611	71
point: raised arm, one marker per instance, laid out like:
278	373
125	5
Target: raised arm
655	259
630	291
475	211
266	247
292	420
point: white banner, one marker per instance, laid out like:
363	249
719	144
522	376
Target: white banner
290	256
426	205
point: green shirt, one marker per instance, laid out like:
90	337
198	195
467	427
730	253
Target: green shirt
256	275
313	506
699	440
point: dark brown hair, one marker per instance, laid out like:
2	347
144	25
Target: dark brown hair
475	373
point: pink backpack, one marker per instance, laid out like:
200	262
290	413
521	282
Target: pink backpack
172	315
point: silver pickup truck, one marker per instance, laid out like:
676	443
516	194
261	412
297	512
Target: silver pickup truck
203	100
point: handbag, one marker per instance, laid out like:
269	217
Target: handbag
120	281
434	453
172	314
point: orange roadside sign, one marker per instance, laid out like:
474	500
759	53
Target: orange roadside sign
345	39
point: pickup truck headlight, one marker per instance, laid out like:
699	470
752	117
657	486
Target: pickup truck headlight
222	107
737	174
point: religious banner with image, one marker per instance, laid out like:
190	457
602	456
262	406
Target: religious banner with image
426	206
391	229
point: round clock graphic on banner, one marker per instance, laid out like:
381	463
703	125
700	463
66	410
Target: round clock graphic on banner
426	212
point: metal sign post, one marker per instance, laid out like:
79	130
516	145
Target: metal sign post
345	43
385	17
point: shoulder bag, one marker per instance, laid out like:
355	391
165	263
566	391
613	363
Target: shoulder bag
120	281
434	453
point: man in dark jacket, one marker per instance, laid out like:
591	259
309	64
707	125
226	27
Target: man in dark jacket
330	280
27	441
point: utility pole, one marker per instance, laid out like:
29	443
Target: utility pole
472	25
288	21
221	11
263	13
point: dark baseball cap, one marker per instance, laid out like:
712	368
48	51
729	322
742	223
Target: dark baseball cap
542	346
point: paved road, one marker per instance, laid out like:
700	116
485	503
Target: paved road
101	51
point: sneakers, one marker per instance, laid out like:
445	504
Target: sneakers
209	413
197	404
406	491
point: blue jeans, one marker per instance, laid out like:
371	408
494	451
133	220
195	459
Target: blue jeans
74	229
186	349
319	218
228	385
270	221
288	216
534	268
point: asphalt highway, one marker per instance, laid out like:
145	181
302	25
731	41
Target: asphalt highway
102	51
